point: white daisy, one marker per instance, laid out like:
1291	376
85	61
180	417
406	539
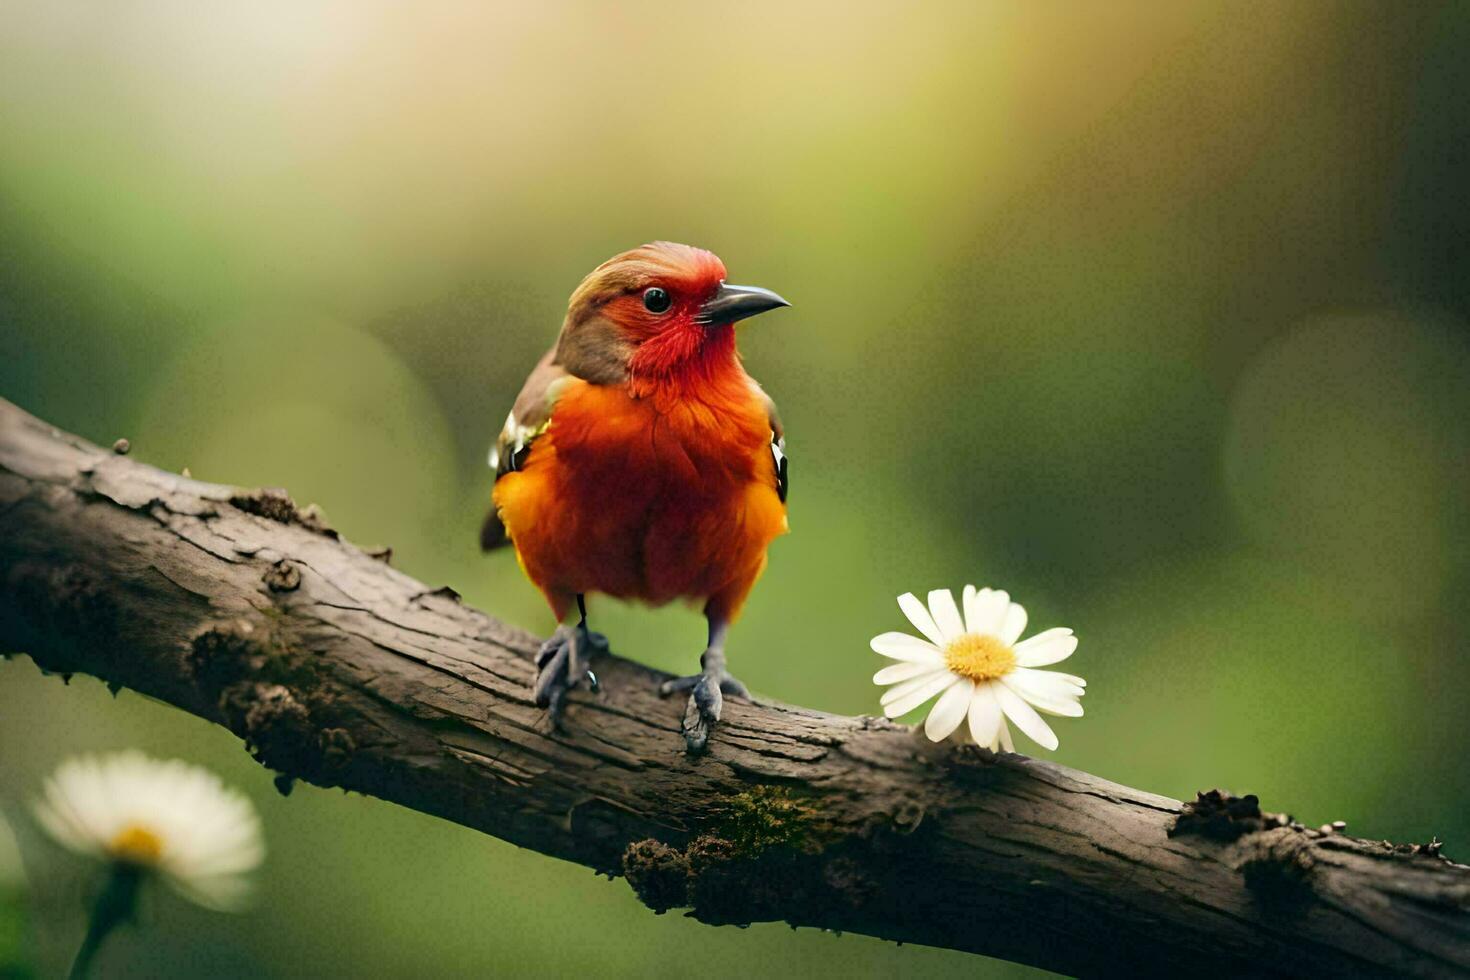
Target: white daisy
975	667
160	817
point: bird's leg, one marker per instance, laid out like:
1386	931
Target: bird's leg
706	689
564	661
589	645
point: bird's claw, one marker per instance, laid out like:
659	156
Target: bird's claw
703	710
706	701
729	684
596	645
563	663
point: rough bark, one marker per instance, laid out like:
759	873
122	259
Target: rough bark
242	608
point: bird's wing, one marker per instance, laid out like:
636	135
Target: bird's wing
529	416
528	419
778	448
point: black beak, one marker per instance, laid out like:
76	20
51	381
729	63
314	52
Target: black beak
733	303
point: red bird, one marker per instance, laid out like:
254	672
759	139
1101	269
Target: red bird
642	462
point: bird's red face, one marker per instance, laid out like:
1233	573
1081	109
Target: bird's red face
661	309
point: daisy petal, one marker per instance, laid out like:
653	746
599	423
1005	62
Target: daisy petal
904	688
226	893
1048	684
1025	717
1052	646
1012	624
987	611
1006	744
1041	699
919	616
61	827
985	717
946	614
901	646
936	685
949	711
894	673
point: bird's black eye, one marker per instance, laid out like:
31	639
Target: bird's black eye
656	300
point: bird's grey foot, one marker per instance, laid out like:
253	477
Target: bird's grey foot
597	643
706	698
729	684
562	664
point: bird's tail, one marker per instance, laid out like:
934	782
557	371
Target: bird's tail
492	532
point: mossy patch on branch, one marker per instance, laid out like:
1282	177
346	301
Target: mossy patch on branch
271	696
658	873
763	849
768	816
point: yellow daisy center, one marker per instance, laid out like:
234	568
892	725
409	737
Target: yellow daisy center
136	844
979	657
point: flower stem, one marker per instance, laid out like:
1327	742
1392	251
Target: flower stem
114	907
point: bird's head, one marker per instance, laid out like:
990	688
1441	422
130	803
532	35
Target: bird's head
661	310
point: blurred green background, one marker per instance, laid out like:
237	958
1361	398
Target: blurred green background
1154	314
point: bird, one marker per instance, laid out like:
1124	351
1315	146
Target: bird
640	461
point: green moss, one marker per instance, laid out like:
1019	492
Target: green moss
766	817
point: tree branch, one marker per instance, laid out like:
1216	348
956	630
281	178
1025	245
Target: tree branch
241	608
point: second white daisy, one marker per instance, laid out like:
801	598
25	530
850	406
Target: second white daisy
973	663
161	817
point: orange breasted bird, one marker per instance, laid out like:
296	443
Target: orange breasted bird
640	461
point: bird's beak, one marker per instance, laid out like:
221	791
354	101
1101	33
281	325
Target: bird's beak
733	303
